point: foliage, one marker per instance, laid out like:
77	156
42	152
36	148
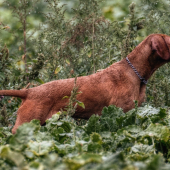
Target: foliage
46	40
71	107
139	140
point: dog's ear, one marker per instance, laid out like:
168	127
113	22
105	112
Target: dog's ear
160	46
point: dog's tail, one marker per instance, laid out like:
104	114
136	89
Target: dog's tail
16	93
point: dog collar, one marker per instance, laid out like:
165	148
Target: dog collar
136	72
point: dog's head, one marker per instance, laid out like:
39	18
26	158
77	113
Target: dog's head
161	44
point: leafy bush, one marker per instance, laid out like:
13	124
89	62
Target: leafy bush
138	139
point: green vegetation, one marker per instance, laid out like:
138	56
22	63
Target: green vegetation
136	140
44	40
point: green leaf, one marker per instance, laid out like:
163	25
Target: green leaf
157	163
66	126
24	134
17	72
40	148
111	118
95	137
39	80
50	123
66	97
143	149
157	131
155	114
81	104
79	161
17	158
57	70
112	111
94	148
93	124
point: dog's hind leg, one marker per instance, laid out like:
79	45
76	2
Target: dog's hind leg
30	110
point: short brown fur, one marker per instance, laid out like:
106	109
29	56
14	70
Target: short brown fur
117	85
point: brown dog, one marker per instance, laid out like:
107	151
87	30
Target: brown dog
117	85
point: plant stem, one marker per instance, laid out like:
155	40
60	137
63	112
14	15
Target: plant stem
25	43
93	45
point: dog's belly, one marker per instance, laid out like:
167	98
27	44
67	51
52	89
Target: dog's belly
87	113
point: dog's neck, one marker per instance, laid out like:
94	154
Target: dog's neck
136	72
145	60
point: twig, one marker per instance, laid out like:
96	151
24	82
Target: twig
27	85
93	45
